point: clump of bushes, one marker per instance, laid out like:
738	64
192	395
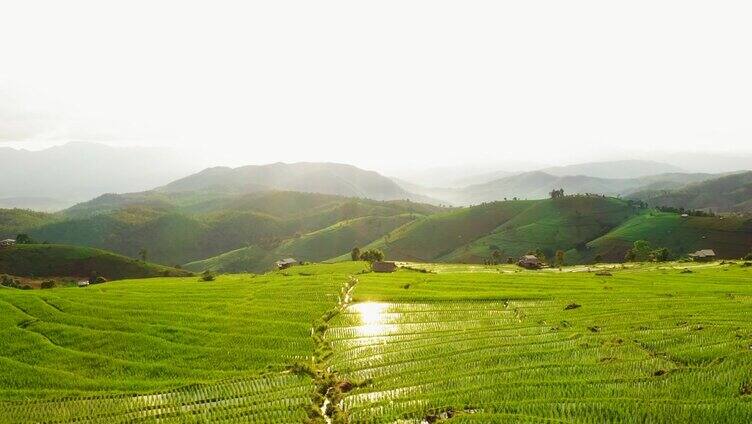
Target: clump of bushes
372	255
48	284
208	275
95	278
641	251
8	281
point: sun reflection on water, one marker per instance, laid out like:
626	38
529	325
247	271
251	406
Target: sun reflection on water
373	317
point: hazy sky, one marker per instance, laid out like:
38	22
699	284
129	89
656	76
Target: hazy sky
413	83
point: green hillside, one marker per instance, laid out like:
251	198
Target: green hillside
15	221
582	226
436	235
549	225
51	260
648	343
319	245
729	237
185	227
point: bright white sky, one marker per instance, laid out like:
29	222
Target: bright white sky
416	83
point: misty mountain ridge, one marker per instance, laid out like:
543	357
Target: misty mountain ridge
307	177
60	176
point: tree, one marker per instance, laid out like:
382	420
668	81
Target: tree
496	255
355	253
142	254
540	254
24	239
641	251
556	194
372	255
560	258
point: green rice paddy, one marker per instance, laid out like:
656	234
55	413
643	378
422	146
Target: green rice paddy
452	344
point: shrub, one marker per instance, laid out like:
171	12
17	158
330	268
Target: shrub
208	275
660	255
48	284
99	280
355	253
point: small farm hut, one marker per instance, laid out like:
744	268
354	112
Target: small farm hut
286	263
704	255
383	266
529	262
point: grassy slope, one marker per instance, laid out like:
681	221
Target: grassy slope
47	260
182	227
319	245
730	237
436	235
549	225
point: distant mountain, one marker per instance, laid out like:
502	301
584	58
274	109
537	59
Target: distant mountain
61	176
621	169
729	193
43	204
324	178
538	185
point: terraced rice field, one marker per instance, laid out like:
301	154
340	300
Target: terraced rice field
639	346
458	344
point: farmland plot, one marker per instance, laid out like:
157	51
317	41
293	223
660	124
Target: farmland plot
641	345
168	349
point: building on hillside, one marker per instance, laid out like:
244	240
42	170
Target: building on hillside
529	262
82	283
286	263
383	266
685	215
7	243
703	255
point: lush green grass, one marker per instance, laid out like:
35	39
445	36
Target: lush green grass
217	349
649	343
54	260
646	345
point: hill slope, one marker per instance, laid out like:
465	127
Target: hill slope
730	193
319	245
582	226
50	260
185	227
730	237
549	225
